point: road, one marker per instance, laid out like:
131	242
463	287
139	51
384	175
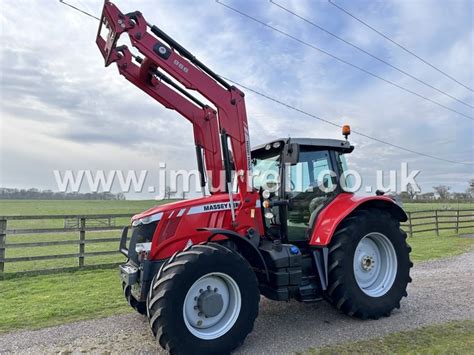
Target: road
442	290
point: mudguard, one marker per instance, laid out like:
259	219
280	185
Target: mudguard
341	207
247	248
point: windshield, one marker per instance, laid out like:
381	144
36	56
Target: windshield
266	172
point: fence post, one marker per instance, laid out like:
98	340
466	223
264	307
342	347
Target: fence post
436	222
82	240
410	226
3	235
457	221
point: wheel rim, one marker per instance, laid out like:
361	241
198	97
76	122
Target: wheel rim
375	264
212	306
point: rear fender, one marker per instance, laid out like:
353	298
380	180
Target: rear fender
344	204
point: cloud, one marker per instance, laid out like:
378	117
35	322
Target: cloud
61	108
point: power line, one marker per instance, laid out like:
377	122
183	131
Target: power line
337	125
342	60
368	53
78	9
399	45
319	118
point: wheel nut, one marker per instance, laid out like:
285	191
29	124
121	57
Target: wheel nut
196	307
215	290
199	323
200	314
208	288
201	290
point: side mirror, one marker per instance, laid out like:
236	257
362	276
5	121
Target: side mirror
291	153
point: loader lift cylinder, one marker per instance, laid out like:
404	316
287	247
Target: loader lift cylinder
171	83
187	54
200	163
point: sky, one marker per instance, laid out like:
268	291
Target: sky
62	110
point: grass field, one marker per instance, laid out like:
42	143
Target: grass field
44	300
411	207
39	207
433	247
450	338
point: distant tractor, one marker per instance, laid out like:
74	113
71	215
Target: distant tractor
197	268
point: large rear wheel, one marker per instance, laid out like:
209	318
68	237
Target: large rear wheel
369	265
203	300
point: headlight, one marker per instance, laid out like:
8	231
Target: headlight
269	215
147	219
140	247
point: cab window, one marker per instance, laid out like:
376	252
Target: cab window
349	180
311	172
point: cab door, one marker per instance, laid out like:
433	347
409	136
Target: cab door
309	185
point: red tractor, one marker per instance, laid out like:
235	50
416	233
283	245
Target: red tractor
197	268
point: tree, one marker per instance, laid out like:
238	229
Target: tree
121	196
36	194
460	196
168	193
443	191
404	196
411	191
470	189
427	196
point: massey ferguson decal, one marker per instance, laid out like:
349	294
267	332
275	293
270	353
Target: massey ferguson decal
212	207
248	149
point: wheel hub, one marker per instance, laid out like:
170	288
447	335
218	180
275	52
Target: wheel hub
367	262
210	303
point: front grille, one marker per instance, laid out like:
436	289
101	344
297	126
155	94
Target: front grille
140	234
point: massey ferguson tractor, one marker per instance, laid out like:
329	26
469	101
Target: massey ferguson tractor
197	268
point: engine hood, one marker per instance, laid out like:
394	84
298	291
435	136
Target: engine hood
217	201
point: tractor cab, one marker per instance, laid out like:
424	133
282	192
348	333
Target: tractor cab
297	178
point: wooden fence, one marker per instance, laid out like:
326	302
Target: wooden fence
438	220
19	241
74	228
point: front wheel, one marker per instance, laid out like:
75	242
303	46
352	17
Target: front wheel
140	307
369	265
203	300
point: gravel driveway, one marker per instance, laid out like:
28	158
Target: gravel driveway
441	290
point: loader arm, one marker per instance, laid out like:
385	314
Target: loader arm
212	129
